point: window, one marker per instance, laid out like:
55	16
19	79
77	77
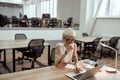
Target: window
32	10
49	6
35	8
107	8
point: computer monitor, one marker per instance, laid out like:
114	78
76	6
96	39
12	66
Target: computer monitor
46	16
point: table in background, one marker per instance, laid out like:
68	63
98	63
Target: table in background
90	39
13	44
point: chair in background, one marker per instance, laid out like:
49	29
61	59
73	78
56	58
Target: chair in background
112	43
19	37
24	22
34	50
52	22
14	21
35	22
90	49
3	20
46	16
52	56
69	22
0	53
78	43
84	34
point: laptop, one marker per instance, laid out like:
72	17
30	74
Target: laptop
84	74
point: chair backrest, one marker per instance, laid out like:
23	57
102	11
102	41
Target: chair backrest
84	34
113	42
69	20
14	20
36	46
96	42
35	22
52	56
20	36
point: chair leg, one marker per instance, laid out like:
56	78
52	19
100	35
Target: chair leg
33	65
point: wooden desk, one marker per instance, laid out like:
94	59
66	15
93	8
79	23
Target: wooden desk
90	39
54	73
13	44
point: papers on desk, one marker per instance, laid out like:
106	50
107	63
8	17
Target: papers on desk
70	66
88	66
90	62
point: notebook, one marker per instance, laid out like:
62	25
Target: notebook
84	74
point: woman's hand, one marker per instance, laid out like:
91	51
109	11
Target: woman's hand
77	70
69	47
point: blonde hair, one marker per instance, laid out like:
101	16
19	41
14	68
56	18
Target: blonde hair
68	32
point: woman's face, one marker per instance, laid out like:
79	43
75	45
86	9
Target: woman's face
68	40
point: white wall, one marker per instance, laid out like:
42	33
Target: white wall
69	8
10	11
107	27
31	34
103	26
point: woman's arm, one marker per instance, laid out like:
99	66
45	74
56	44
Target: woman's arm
58	58
75	56
77	70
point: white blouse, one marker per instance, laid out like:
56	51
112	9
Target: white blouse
68	57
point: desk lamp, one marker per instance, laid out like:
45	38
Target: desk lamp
111	70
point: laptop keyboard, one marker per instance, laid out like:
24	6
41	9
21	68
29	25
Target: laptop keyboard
77	76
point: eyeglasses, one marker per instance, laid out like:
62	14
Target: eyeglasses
70	40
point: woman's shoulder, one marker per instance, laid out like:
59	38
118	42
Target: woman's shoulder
59	44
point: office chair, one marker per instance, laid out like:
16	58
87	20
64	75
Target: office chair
52	56
3	20
90	49
0	53
52	22
14	21
78	43
68	23
35	22
34	50
18	37
84	34
112	43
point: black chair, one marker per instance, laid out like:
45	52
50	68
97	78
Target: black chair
3	20
14	21
35	50
52	22
78	43
35	22
68	23
0	53
112	43
90	49
84	34
20	36
52	56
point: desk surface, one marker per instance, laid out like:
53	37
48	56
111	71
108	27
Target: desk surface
54	73
91	38
9	44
